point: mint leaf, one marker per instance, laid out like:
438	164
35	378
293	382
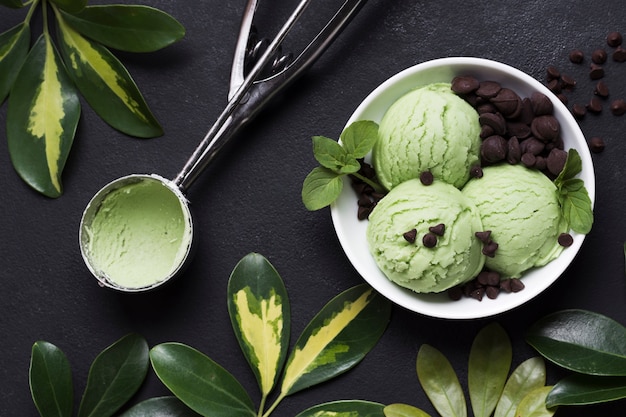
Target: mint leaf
359	138
576	205
573	166
333	156
320	188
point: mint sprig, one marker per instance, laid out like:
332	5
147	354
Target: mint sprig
573	196
324	183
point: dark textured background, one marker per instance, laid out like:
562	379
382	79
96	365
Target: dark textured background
249	199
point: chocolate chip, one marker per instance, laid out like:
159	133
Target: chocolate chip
455	293
493	149
363	212
601	89
464	84
410	236
478	294
614	39
555	86
517	285
495	121
596	72
528	159
427	178
596	144
540	163
505	285
579	111
541	104
513	154
545	128
519	130
567	82
532	145
486	131
439	229
556	161
429	240
595	105
566	240
484	236
619	55
562	98
552	73
490	278
490	248
576	56
508	103
476	171
488	89
599	56
492	292
618	107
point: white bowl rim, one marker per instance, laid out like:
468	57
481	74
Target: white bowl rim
439	305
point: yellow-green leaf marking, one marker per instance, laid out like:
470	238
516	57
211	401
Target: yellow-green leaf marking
317	350
261	324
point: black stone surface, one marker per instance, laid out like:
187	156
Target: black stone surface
249	199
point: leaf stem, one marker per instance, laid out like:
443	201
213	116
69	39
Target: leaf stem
262	406
274	405
33	6
377	187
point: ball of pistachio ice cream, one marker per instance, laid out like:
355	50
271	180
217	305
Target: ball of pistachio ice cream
428	129
521	209
412	208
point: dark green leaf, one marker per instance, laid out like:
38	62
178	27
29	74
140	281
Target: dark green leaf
320	188
199	382
259	312
114	377
576	205
106	85
580	389
72	6
404	410
581	341
50	380
573	166
131	28
359	138
348	408
14	4
440	382
528	376
43	112
534	404
489	365
160	407
14	45
331	155
337	338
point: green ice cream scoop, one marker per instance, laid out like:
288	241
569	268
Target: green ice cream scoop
413	209
428	129
520	208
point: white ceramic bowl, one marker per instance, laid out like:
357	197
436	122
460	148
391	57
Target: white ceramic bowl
351	231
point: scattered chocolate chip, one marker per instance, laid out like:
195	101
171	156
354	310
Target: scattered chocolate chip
599	56
505	285
439	230
493	149
478	294
517	285
484	236
562	98
579	111
492	292
528	160
410	236
596	144
619	55
427	178
541	104
488	89
518	129
490	248
614	39
595	105
429	240
565	240
601	89
533	146
488	278
464	84
618	107
476	171
545	128
540	163
552	73
513	154
363	212
508	103
596	72
576	56
555	86
455	293
495	121
556	161
567	82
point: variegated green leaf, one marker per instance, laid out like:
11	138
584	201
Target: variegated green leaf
160	407
489	364
14	4
199	382
114	377
14	45
337	338
106	84
348	408
534	404
440	382
42	116
72	6
528	376
131	28
259	311
404	410
579	389
50	379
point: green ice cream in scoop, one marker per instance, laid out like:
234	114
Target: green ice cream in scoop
410	210
521	209
428	129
